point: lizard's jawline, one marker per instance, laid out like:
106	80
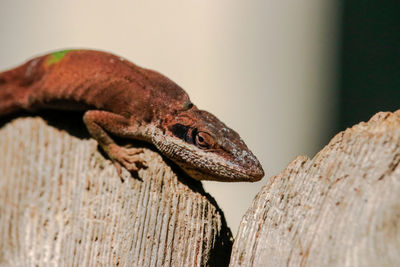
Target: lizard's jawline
206	169
199	175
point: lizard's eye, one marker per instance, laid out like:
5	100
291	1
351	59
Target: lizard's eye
204	140
192	135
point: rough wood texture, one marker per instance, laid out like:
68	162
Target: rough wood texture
62	204
342	208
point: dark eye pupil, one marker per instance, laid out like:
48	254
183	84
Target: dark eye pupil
201	139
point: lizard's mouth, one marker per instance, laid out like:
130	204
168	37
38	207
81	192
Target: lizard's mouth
225	175
204	165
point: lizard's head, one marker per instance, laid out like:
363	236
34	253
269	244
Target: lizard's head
206	149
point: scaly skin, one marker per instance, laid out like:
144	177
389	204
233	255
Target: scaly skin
125	100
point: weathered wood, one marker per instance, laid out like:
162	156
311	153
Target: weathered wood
342	208
62	204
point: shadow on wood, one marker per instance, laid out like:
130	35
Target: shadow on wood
62	203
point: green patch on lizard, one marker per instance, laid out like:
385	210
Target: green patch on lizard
55	57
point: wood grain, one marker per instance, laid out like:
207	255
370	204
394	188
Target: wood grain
62	204
342	208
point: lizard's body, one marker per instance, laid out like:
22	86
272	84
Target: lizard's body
129	101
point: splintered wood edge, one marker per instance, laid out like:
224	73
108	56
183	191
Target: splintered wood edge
62	203
342	208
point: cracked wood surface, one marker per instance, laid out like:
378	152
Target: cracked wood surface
63	204
342	208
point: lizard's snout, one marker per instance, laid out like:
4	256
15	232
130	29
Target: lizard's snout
254	170
256	173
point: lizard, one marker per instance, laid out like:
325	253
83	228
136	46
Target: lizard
121	99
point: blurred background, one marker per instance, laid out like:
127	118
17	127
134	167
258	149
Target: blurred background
286	75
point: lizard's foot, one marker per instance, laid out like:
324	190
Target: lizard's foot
127	157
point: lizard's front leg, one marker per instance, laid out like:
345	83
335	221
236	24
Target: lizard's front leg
100	123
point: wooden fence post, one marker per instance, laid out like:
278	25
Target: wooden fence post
342	208
63	204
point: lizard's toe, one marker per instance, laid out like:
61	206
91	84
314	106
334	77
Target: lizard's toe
129	158
132	150
133	162
118	167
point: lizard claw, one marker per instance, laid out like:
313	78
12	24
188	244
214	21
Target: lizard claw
129	158
118	168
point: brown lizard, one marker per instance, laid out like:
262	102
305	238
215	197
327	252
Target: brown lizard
125	100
